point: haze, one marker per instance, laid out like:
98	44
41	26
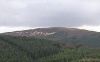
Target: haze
27	14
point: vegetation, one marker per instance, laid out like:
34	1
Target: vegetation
74	55
24	49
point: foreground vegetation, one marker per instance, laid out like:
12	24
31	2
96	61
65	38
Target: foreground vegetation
23	49
74	55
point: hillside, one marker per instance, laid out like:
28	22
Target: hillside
30	49
56	44
23	49
70	36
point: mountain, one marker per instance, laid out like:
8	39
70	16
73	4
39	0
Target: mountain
69	36
55	44
50	31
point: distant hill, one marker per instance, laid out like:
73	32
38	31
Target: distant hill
70	36
55	44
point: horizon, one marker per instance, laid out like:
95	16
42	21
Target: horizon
12	29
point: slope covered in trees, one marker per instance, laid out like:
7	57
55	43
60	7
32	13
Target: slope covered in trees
61	34
21	49
31	49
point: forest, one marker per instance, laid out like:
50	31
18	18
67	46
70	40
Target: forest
31	49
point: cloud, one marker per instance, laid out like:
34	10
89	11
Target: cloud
39	13
90	28
4	29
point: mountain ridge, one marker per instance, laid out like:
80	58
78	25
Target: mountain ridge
45	31
70	36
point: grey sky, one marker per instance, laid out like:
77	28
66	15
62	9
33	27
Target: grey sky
36	13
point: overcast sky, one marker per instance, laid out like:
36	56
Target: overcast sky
44	13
